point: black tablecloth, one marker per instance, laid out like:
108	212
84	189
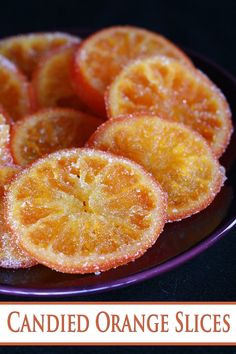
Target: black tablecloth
205	26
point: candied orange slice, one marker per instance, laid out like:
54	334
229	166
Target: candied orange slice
82	210
11	256
25	50
52	84
14	90
50	130
101	57
5	155
175	92
179	159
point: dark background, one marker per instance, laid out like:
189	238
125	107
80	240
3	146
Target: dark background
205	26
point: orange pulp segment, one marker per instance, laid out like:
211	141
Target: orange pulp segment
179	159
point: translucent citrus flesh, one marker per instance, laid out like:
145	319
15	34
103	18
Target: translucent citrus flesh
5	155
10	255
14	90
52	82
48	131
174	92
105	53
178	158
26	50
81	211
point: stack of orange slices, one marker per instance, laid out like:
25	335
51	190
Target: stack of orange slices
102	141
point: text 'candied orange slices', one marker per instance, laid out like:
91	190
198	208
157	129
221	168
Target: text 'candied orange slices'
14	90
52	84
175	92
101	57
82	210
179	159
25	50
11	256
50	130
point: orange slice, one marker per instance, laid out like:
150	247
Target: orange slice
179	159
48	131
5	155
14	90
82	210
175	92
101	57
10	255
52	84
25	50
